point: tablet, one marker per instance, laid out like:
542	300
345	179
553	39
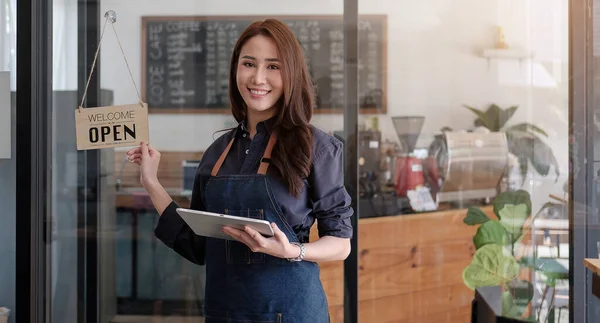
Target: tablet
209	224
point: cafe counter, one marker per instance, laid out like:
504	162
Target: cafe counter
409	269
409	266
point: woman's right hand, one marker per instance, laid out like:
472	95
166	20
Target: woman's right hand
148	159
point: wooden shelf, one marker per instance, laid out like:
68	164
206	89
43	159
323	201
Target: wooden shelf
507	54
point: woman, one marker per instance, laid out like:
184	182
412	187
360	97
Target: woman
275	166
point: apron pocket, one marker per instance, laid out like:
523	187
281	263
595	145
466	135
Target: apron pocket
215	316
237	252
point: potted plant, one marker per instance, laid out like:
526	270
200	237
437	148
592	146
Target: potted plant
500	254
524	140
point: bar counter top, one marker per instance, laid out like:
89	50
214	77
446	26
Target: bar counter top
410	268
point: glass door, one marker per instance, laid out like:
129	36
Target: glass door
107	263
466	137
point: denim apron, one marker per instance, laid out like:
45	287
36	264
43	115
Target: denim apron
247	287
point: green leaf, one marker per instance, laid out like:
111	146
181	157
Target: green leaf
549	205
507	302
510	308
520	143
535	150
494	114
482	117
491	266
521	290
545	206
495	117
513	218
543	157
475	216
554	163
490	232
505	115
527	127
524	168
514	135
513	198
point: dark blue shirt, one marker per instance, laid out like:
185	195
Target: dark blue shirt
323	199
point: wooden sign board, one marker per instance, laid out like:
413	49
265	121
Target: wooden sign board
111	126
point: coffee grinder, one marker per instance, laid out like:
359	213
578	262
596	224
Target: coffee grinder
413	168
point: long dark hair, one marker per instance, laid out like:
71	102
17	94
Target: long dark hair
292	155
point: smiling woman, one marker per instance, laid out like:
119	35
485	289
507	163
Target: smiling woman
258	77
282	70
272	99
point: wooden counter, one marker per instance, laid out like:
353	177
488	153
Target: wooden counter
410	269
594	266
410	266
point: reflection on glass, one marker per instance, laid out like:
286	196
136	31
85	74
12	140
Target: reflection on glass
104	225
462	178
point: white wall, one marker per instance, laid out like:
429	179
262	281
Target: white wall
434	63
64	51
186	132
8	40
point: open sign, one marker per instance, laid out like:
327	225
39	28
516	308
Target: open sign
111	126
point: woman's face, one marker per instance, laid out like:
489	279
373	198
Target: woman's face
258	75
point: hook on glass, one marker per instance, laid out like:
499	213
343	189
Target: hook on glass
111	15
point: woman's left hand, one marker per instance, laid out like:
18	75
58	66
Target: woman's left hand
277	246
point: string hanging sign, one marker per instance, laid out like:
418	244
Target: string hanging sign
111	126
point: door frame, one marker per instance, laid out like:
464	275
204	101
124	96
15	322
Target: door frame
351	150
34	156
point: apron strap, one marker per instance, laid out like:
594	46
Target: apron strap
221	159
264	161
266	158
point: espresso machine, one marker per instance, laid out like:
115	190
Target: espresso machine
457	167
470	164
373	198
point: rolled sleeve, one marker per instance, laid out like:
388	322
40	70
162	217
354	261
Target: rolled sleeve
330	200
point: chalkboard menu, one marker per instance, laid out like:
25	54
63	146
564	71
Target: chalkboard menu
185	61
